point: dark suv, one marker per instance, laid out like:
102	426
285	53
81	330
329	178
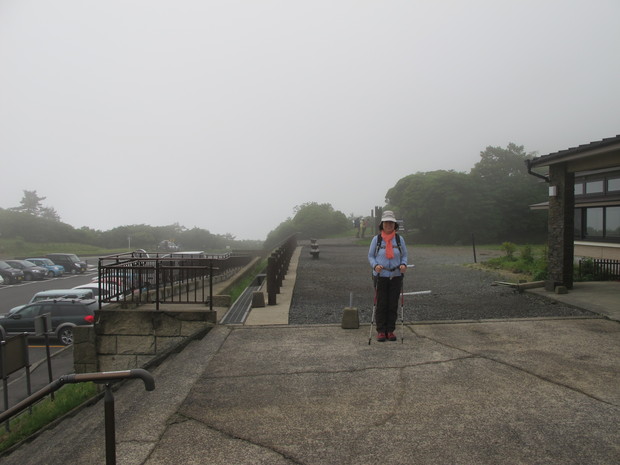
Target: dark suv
69	261
30	270
65	313
9	274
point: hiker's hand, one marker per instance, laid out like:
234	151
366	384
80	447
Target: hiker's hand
403	268
378	268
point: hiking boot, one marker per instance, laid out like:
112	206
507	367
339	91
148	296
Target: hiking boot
381	337
391	336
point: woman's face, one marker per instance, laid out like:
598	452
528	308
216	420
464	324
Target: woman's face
388	226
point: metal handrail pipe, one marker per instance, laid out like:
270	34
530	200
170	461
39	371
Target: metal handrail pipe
103	377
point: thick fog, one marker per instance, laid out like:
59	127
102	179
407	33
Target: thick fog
225	115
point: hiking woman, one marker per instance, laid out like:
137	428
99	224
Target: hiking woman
388	258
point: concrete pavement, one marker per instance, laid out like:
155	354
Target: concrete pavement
540	391
602	297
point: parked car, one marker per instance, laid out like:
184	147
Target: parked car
11	275
69	261
78	294
108	290
1	280
53	270
65	315
31	271
116	282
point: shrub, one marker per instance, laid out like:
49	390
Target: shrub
509	249
529	262
527	255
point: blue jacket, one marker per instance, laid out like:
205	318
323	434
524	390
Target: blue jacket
381	259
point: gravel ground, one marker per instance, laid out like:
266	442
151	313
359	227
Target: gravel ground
342	275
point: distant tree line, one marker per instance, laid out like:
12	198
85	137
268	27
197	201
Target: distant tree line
39	229
491	201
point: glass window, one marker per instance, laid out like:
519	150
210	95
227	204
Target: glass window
612	222
594	187
613	184
71	310
579	188
594	221
30	311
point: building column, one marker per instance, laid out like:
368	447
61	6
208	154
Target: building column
561	227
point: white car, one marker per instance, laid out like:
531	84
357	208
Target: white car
53	294
108	290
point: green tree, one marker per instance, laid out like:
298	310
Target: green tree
509	191
439	205
49	213
492	201
496	164
34	228
280	233
319	220
311	220
31	204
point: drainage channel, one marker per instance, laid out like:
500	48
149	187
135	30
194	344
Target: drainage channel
238	311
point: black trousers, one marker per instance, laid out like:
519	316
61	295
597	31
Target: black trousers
388	292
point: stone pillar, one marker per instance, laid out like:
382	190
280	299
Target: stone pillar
561	227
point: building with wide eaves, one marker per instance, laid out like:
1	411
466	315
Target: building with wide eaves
584	205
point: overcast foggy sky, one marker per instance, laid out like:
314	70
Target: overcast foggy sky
225	115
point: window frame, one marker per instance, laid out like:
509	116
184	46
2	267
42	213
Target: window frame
581	224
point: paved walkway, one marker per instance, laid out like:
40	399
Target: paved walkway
540	391
598	297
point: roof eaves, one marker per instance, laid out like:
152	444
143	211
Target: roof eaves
574	152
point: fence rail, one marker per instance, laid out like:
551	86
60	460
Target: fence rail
183	277
277	266
599	269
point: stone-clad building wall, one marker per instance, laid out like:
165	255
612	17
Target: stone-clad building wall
561	228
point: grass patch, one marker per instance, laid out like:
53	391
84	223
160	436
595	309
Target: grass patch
528	261
45	411
242	284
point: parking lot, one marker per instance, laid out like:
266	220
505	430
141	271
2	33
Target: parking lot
12	295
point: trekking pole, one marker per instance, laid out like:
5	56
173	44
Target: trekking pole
402	307
402	311
409	293
374	307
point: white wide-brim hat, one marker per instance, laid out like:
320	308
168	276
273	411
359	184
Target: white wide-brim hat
388	215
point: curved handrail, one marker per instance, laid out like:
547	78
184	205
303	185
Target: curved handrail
102	377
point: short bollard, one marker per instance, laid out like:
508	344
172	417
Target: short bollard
258	299
350	318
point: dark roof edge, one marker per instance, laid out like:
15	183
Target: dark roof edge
548	159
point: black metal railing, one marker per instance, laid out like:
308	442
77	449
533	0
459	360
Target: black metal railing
106	378
599	269
180	277
277	266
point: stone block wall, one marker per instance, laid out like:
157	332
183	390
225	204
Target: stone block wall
84	354
123	339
